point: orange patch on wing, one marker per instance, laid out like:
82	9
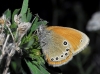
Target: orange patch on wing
73	36
67	59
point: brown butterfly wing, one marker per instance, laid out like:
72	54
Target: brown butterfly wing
77	39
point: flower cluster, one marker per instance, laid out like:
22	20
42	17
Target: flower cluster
6	47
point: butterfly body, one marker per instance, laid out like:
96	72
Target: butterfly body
60	44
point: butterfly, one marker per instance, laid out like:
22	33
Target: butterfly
60	44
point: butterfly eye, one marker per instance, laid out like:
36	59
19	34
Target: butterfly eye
52	59
56	58
67	49
81	40
61	55
65	42
65	53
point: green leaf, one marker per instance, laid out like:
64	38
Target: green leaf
8	13
42	22
30	43
34	25
42	60
14	65
14	13
29	15
33	68
24	18
13	27
43	70
24	7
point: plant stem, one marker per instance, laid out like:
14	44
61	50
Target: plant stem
7	65
3	49
10	55
79	64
